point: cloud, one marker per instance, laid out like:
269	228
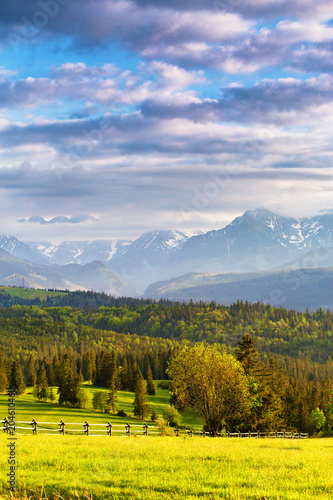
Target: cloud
59	219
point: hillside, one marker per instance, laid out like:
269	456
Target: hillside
294	289
92	276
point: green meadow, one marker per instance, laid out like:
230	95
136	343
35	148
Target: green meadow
27	408
150	468
29	293
153	467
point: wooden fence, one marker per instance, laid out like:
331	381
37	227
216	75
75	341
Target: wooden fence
108	429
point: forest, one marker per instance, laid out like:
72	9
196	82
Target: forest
286	355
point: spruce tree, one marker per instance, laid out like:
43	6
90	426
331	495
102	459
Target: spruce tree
42	386
31	371
3	371
141	405
69	384
151	391
113	385
16	378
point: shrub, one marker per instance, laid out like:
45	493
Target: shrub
153	415
122	413
163	427
172	417
164	384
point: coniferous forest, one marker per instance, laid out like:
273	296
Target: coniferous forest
286	355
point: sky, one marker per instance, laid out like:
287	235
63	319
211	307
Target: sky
120	117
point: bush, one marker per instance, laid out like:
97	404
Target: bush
172	417
164	384
153	415
163	427
122	413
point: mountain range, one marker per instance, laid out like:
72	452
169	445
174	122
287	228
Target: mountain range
255	242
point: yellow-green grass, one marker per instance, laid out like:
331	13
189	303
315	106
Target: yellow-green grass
169	468
29	293
27	408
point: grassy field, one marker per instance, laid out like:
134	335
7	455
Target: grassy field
169	468
29	293
27	408
153	468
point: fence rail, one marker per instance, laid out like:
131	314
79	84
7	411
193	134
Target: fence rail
108	429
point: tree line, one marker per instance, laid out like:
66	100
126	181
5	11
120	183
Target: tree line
285	388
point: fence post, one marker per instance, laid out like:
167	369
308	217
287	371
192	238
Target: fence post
128	429
190	433
6	425
34	426
203	433
86	428
145	429
62	427
176	431
109	429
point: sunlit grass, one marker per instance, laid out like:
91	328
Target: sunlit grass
162	468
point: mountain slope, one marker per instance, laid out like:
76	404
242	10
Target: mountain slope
293	289
20	250
258	240
143	260
93	276
78	252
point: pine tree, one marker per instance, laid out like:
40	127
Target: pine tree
151	391
69	384
16	378
3	371
247	354
113	385
42	386
141	406
31	371
52	395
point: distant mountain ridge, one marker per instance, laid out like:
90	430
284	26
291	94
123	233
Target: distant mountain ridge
93	276
258	240
297	289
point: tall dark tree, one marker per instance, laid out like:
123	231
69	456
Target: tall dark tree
3	371
16	378
42	386
31	371
69	384
141	405
113	385
151	391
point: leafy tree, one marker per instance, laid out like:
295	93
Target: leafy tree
151	391
99	400
83	398
318	418
16	379
211	381
141	405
